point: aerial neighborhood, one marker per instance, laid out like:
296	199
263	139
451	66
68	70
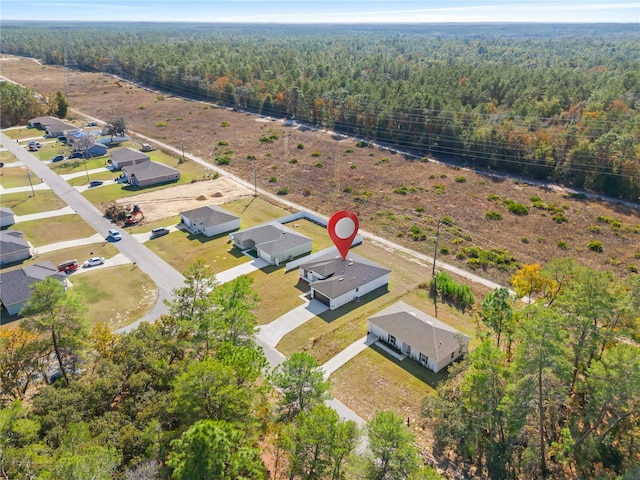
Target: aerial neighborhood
319	252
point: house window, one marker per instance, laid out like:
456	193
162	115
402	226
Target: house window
392	340
407	349
423	359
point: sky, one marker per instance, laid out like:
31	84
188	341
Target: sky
326	11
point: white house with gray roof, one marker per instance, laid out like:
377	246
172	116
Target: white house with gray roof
125	157
273	242
7	217
336	282
427	340
210	220
148	174
13	247
15	286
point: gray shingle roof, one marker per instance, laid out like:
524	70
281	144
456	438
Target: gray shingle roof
343	275
127	155
272	238
423	332
6	212
149	170
209	215
15	285
12	241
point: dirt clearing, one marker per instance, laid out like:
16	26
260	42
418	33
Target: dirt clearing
174	200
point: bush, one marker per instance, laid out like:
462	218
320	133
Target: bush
161	124
493	216
293	161
595	246
492	197
461	179
316	154
348	150
273	180
362	144
353	167
562	245
300	146
517	209
251	157
223	143
224	124
559	218
402	190
282	191
223	160
347	189
632	268
442	285
319	165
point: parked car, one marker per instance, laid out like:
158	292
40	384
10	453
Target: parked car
93	261
68	266
159	232
33	143
95	183
33	148
115	235
58	158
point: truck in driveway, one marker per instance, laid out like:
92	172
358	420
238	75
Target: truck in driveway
68	266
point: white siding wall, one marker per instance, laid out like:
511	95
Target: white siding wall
222	228
351	295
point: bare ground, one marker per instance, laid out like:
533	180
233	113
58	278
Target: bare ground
390	192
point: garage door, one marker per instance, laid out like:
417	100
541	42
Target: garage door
324	299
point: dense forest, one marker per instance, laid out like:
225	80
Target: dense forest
551	102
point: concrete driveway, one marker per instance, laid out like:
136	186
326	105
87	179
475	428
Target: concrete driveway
272	333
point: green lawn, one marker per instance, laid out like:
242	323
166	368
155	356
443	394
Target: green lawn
181	249
254	211
75	165
148	226
7	157
12	177
321	239
24	204
375	380
106	176
102	292
55	229
22	133
279	292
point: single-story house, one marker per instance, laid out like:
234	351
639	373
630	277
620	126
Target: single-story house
336	282
97	149
52	125
13	247
15	286
427	340
147	174
125	157
273	242
7	217
210	220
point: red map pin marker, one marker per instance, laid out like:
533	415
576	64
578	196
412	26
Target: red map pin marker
343	228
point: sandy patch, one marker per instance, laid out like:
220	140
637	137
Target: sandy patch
180	198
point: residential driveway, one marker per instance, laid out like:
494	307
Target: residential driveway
272	333
244	269
51	213
347	354
28	188
119	259
52	247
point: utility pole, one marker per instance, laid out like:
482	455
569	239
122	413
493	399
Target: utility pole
435	252
33	192
85	168
255	177
182	143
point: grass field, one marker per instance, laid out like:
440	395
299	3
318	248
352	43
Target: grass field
254	211
23	203
279	292
7	157
55	229
13	177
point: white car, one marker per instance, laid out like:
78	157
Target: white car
93	261
115	235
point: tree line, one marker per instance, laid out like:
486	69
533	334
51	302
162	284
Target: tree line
556	103
553	389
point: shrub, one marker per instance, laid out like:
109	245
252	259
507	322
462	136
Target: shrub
273	180
493	216
347	189
594	229
223	160
282	191
444	251
251	157
293	161
461	179
562	245
142	107
615	224
224	124
438	189
492	197
447	220
632	268
402	190
595	246
348	150
524	240
161	124
419	209
517	209
300	146
319	165
353	167
362	144
265	139
559	218
535	199
442	285
316	154
223	143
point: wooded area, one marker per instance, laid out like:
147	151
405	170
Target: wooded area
553	102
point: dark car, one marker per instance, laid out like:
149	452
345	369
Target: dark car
33	143
95	183
33	148
58	158
159	232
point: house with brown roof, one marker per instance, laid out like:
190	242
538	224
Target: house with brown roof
335	281
273	242
427	340
210	220
15	285
13	247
